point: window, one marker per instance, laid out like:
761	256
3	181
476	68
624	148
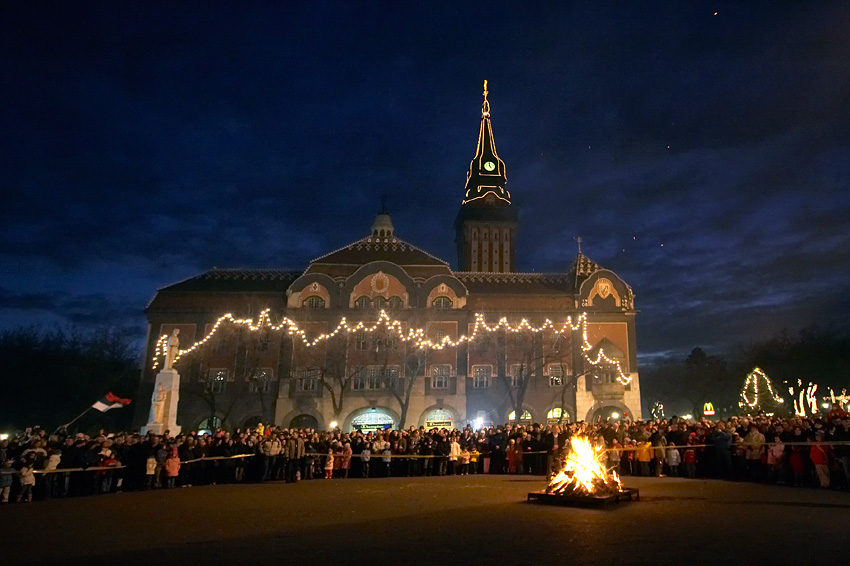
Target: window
361	341
557	342
380	303
263	344
517	375
381	377
362	303
382	341
481	376
442	303
358	383
557	414
556	375
260	380
439	336
217	380
440	377
220	343
308	379
526	416
314	302
396	303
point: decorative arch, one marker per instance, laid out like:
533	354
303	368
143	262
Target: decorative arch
525	409
599	405
205	421
378	279
314	285
288	417
456	415
445	286
604	288
346	424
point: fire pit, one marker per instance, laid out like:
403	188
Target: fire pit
584	481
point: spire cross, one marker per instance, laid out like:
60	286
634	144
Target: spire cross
485	108
578	241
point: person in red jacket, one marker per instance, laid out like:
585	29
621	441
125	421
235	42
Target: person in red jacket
819	455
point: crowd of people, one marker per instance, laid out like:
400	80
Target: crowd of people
787	451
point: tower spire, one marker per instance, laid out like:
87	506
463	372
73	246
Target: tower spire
486	222
487	177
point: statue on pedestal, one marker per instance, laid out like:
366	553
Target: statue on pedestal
172	349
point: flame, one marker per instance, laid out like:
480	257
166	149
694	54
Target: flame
584	471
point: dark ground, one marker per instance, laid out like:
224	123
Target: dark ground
450	520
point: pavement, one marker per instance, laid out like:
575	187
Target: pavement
431	521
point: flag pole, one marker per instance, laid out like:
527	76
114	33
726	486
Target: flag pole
76	418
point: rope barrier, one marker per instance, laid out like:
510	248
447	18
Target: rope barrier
380	456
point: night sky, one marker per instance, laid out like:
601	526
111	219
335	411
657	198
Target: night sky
700	149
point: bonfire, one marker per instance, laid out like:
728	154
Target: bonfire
584	472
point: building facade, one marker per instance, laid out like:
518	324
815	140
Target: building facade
381	333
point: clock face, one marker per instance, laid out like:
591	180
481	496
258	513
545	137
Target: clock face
489	165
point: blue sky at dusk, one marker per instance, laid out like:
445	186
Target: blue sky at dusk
703	157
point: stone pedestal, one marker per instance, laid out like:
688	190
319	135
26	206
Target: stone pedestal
169	380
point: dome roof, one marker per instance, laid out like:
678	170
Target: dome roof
382	227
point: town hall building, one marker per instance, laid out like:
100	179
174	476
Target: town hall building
381	333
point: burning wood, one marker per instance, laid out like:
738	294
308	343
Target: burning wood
584	472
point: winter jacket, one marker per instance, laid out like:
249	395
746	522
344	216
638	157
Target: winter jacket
27	476
172	467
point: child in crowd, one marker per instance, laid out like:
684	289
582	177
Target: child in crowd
329	465
614	455
474	454
7	475
387	460
172	468
776	461
673	461
365	456
464	461
690	457
644	456
26	476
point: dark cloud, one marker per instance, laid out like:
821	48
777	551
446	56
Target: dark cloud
146	144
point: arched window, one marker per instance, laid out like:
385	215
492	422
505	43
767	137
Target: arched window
557	414
396	303
526	416
209	425
380	303
362	302
442	303
314	302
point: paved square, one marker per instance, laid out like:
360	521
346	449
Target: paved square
473	519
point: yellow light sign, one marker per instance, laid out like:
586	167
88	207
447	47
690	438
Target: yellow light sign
708	409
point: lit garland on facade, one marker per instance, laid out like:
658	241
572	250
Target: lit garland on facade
416	336
753	380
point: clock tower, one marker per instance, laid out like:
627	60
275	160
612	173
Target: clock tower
486	224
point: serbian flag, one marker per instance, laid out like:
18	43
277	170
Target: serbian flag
109	401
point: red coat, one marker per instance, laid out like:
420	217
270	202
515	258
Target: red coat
819	455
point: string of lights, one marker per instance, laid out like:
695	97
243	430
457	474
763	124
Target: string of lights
414	335
753	379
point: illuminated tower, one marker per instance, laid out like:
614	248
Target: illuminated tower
486	224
